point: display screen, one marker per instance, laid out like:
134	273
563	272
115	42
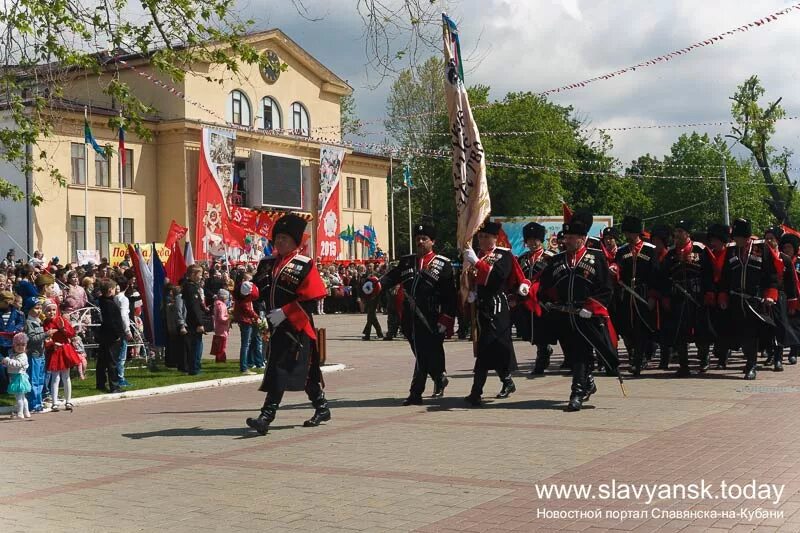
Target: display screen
281	181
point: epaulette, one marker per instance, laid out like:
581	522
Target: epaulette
549	253
649	245
700	245
758	241
731	244
442	257
302	258
501	248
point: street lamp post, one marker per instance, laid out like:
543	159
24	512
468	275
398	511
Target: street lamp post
726	212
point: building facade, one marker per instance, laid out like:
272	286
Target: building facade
105	201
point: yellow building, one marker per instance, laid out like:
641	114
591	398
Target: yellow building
105	202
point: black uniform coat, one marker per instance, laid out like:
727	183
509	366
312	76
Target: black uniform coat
429	298
495	270
685	318
584	285
638	270
293	284
748	270
532	327
784	333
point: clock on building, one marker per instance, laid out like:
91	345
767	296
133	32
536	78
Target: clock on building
272	71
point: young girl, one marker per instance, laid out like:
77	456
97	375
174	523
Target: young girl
222	324
62	355
19	385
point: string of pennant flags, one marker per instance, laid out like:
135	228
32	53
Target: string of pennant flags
386	149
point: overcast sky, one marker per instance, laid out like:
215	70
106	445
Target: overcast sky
535	45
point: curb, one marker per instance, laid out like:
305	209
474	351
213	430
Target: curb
172	389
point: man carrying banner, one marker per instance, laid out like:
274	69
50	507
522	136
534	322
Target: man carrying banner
576	287
290	285
427	311
495	271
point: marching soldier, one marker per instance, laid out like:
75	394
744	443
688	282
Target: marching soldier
637	268
428	309
576	287
681	288
496	270
790	245
783	333
718	236
290	285
532	322
660	237
748	288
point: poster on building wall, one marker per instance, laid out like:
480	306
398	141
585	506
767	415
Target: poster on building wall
512	228
214	186
117	251
88	256
330	164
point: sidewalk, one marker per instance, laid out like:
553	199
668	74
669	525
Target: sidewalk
186	462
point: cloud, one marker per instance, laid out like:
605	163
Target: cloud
535	46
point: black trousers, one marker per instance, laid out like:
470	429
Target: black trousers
420	378
313	390
177	351
107	359
372	321
480	376
580	354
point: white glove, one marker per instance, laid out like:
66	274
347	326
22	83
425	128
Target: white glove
368	287
524	289
585	313
470	256
442	329
769	301
472	296
276	316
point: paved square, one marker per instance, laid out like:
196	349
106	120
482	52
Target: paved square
186	462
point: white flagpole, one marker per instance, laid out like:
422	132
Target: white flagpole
410	233
85	185
121	211
391	185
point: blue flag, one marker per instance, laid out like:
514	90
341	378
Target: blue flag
407	180
88	138
159	278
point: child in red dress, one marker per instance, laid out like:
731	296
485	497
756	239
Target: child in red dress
61	356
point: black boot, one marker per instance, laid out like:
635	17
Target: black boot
591	388
703	355
636	362
723	360
321	412
508	388
265	418
750	372
576	398
413	400
473	399
778	359
438	388
666	355
770	357
543	354
792	355
683	359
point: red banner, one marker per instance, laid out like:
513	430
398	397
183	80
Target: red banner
214	184
330	164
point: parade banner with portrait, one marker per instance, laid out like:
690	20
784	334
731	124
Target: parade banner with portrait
214	186
330	164
512	229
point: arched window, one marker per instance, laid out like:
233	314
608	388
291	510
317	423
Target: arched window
300	123
238	111
271	113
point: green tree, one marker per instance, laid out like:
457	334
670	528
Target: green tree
350	125
755	126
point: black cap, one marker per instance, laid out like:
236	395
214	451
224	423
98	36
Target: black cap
742	228
719	231
579	224
610	232
685	224
662	232
792	239
533	230
490	227
427	229
291	225
631	224
775	230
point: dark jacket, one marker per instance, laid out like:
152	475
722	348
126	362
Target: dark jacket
193	299
111	327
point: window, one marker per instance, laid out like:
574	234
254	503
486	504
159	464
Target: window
351	193
238	109
271	113
102	234
77	234
127	231
364	194
127	170
101	168
78	164
299	119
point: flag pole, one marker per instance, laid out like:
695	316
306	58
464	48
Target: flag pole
121	180
85	183
410	238
391	185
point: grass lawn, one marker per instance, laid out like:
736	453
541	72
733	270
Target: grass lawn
141	377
